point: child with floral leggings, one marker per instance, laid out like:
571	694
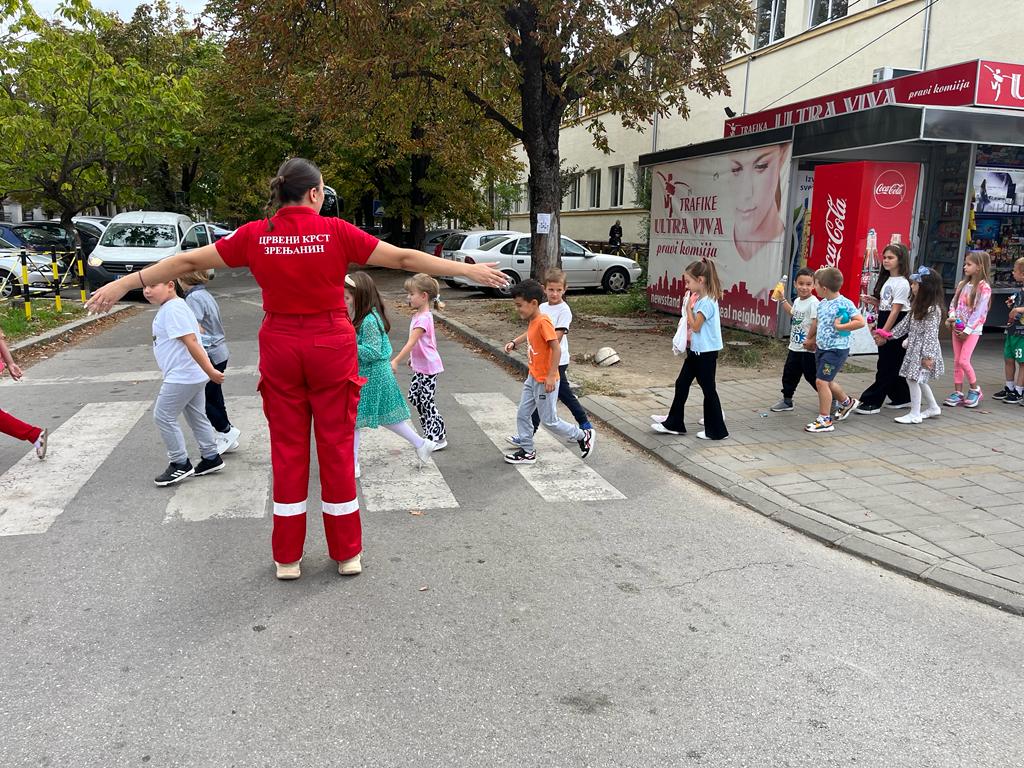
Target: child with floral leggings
967	313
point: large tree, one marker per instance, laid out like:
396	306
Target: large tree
74	123
523	65
402	139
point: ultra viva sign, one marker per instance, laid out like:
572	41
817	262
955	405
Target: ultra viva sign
981	83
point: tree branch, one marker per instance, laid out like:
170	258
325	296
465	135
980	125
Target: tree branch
490	111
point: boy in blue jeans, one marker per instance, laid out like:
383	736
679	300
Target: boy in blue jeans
837	317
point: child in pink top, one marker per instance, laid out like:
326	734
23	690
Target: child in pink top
423	294
967	313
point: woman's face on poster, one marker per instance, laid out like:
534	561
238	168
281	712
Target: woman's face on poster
755	188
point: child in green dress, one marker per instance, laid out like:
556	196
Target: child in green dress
381	403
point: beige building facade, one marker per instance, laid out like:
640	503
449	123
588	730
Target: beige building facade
801	49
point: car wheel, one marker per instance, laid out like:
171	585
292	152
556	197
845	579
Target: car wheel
506	292
615	280
451	284
11	286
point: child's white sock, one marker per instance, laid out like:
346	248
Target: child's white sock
404	429
1010	386
915	397
1020	389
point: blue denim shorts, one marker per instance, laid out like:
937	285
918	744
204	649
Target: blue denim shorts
829	362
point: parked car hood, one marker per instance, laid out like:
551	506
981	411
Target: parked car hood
132	254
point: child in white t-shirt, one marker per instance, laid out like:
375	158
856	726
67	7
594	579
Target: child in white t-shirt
800	360
556	308
186	368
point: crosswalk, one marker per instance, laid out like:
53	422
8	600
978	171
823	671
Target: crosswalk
34	494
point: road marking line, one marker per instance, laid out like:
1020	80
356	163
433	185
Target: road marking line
242	488
34	493
114	377
559	474
392	478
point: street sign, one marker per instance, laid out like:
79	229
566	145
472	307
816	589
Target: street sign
378	209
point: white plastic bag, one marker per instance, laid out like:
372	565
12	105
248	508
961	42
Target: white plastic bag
679	340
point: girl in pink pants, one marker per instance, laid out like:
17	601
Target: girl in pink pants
967	313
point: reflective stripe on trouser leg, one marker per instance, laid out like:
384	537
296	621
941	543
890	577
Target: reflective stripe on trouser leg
334	405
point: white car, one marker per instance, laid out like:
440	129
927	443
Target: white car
40	272
136	239
583	268
469	241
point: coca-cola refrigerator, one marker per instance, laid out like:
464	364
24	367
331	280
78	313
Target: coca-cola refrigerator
849	199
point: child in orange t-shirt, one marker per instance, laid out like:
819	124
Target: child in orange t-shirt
540	388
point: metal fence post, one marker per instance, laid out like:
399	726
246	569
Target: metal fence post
24	286
80	261
56	281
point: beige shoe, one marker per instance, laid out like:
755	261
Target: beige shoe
351	567
288	571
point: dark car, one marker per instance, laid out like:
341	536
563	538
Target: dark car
47	236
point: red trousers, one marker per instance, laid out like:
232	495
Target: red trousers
18	428
309	375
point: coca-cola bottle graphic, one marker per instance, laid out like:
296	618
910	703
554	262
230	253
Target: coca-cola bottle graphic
868	274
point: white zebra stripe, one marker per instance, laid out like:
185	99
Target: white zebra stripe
559	474
34	493
393	479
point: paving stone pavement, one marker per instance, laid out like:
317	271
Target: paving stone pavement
940	501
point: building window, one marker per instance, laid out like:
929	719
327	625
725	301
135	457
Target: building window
771	22
827	10
594	179
574	193
618	176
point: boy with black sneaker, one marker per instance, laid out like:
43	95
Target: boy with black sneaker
800	360
187	369
539	389
837	318
1013	349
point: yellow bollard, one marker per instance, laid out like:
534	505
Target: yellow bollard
24	286
56	281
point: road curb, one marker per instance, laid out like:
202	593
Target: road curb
892	555
55	333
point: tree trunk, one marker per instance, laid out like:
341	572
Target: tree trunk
542	117
419	165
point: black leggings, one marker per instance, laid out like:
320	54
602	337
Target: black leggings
700	366
216	410
888	381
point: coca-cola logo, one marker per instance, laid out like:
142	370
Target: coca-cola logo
835	224
890	189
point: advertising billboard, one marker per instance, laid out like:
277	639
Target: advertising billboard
728	209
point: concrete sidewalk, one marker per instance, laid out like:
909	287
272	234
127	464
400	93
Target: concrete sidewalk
940	501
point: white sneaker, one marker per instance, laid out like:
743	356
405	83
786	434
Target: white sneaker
909	418
224	442
424	451
351	567
701	421
659	428
440	445
232	435
288	571
659	418
931	413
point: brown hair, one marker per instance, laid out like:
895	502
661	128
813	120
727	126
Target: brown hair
189	279
829	278
294	179
929	294
555	276
365	299
903	261
707	270
983	260
424	283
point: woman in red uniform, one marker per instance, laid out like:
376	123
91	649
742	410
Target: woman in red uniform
309	370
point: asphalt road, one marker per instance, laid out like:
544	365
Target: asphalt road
638	620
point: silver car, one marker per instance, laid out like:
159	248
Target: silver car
583	268
468	241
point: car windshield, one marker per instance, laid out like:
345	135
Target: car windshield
491	244
140	236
